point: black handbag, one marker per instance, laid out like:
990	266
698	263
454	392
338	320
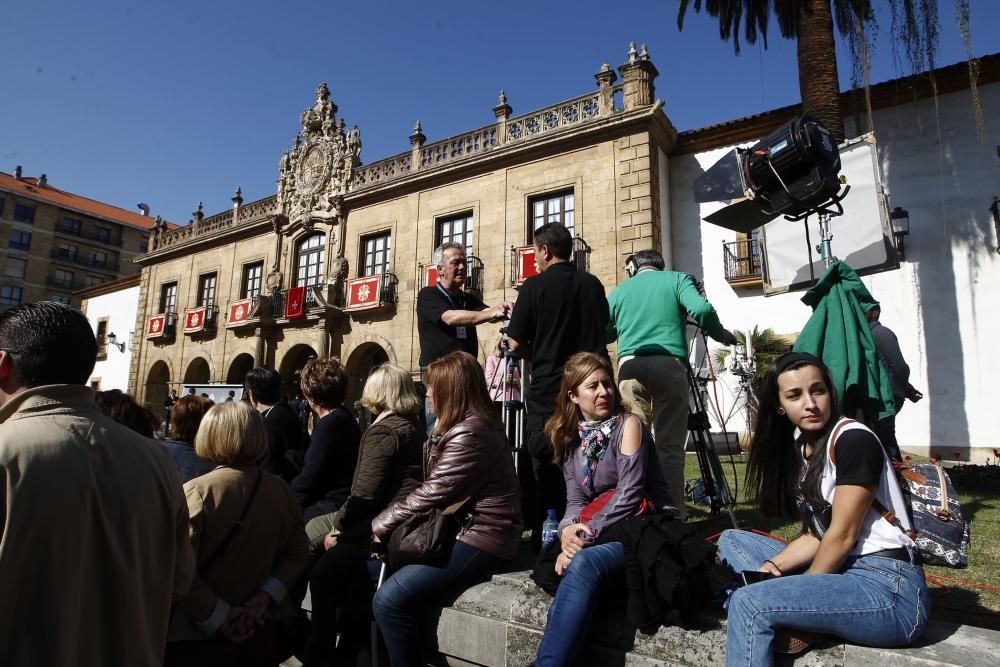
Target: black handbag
425	538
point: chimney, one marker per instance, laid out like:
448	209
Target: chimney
43	180
144	208
17	172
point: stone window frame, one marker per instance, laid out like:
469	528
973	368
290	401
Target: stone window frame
72	226
102	234
546	198
168	297
254	290
467	235
60	276
24	213
101	334
309	273
11	295
207	289
15	261
20	244
368	248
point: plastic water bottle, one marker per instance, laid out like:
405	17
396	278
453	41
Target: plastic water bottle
550	528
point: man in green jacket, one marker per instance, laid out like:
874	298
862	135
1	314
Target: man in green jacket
94	544
649	315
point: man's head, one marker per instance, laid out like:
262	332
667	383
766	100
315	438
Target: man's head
553	243
44	343
873	313
264	386
452	265
644	259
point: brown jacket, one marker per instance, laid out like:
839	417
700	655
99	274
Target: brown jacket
93	535
472	459
269	553
390	466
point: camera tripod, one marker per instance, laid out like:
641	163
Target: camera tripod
699	435
512	410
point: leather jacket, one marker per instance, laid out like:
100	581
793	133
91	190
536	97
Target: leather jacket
472	459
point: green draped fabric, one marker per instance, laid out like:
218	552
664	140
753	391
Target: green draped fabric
838	333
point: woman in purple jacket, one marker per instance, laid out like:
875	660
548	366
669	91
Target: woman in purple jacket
601	447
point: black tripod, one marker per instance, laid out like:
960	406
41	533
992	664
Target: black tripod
712	475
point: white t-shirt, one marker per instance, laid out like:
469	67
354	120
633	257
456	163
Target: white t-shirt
876	533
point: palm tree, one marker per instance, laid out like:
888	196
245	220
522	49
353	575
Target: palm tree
767	347
810	23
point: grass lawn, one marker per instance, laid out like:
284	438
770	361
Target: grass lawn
967	601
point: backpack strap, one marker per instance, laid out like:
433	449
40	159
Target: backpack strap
886	513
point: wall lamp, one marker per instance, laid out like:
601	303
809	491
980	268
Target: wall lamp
113	340
899	217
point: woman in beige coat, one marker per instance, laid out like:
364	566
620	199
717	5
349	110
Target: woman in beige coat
250	543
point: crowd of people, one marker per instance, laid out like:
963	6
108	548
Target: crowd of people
196	548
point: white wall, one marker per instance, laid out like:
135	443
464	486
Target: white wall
943	301
120	308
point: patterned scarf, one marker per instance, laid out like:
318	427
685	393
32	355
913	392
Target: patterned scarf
594	439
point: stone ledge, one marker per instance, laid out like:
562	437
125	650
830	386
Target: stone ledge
500	623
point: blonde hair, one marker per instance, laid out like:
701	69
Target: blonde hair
390	389
231	433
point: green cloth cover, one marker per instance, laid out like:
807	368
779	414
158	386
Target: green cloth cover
838	333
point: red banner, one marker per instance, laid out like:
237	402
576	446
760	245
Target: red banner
430	275
525	264
194	319
364	292
156	326
239	312
295	303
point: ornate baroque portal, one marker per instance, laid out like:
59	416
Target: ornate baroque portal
313	178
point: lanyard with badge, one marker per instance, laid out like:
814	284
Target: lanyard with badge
460	331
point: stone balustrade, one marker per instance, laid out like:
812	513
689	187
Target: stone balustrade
569	114
252	212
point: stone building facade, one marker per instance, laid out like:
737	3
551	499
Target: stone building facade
332	263
54	242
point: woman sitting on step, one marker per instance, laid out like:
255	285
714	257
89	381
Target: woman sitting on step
851	573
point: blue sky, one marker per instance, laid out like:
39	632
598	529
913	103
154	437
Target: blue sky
176	103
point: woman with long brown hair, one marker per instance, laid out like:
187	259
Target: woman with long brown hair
604	450
466	458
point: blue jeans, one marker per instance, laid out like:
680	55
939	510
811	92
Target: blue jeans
404	597
873	601
591	569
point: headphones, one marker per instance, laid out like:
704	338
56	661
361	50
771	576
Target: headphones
631	267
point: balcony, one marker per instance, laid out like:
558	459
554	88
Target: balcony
62	255
106	240
62	284
278	300
162	326
742	262
371	292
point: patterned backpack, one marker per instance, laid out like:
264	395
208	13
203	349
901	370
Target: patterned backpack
940	531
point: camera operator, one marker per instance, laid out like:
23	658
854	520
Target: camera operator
559	312
887	346
649	315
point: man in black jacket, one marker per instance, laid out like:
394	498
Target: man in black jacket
284	433
558	313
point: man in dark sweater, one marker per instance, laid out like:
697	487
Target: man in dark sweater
891	357
558	313
284	433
